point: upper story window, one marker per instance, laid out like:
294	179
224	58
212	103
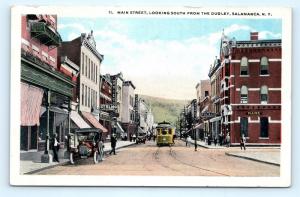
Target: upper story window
264	95
264	66
82	63
206	93
244	94
244	66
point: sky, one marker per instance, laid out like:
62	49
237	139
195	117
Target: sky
163	57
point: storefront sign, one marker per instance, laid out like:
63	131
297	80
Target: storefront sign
208	115
108	107
114	91
136	107
254	113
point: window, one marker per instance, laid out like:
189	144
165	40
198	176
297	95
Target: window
264	66
86	63
89	97
82	93
264	95
206	93
82	63
89	69
264	127
244	66
244	126
96	73
85	96
244	94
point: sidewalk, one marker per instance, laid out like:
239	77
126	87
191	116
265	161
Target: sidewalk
269	157
30	161
204	145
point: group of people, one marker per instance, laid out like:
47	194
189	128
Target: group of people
221	139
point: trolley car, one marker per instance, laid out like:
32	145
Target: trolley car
165	134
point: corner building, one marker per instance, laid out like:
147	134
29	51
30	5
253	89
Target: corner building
251	89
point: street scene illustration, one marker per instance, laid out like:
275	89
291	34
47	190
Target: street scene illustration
150	96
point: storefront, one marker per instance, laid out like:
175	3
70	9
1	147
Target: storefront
45	101
215	126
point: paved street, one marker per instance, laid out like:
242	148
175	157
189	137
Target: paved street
179	160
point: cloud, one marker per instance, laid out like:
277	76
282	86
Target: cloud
162	68
157	67
268	35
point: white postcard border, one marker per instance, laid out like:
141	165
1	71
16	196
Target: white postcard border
70	180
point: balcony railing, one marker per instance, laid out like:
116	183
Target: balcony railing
45	34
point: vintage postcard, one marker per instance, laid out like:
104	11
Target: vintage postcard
150	96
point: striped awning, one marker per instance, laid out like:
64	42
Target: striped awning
78	120
31	100
89	117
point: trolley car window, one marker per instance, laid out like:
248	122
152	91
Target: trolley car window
164	132
170	131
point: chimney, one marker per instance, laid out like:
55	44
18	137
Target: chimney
253	35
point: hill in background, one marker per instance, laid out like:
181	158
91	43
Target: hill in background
164	109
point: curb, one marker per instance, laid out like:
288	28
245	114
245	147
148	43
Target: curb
106	151
207	147
66	162
46	168
252	159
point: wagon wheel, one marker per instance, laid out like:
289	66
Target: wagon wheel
96	157
72	158
101	151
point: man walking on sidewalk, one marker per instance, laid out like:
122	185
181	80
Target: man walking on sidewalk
243	142
228	140
113	143
55	147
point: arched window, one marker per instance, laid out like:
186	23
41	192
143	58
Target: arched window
244	66
244	94
264	95
264	66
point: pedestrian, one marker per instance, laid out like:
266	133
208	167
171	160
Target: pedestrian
228	140
221	138
243	142
189	140
113	143
134	137
55	147
186	140
215	140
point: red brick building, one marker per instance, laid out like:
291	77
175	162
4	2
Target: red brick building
251	89
45	91
106	106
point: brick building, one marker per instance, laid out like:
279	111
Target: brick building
106	107
45	91
82	51
251	89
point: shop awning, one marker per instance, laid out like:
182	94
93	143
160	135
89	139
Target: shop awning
119	128
78	120
31	100
215	119
89	117
140	130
